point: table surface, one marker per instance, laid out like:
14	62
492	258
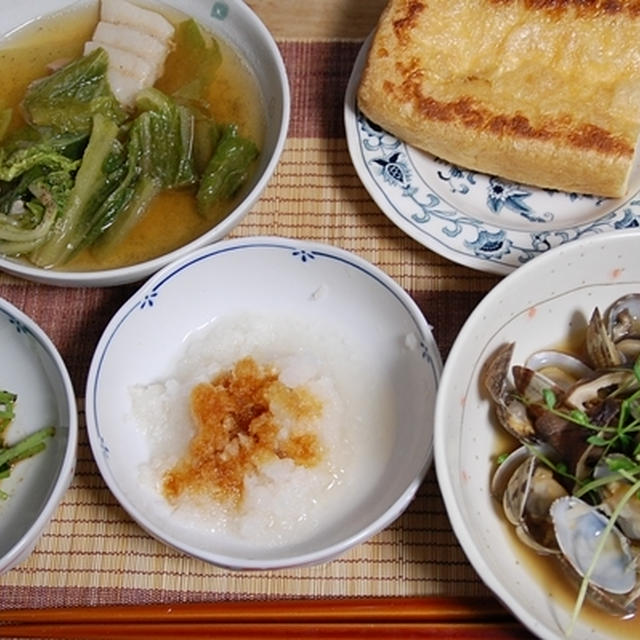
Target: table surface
92	552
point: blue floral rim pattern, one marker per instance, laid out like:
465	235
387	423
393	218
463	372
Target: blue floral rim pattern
479	221
149	297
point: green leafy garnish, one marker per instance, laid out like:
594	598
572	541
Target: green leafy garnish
24	448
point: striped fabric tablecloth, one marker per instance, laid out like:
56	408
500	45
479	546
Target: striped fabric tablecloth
92	552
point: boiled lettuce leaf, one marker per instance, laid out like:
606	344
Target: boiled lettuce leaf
99	173
37	171
227	170
82	171
69	98
195	50
13	164
30	208
164	131
68	143
160	156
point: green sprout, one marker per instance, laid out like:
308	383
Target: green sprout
25	448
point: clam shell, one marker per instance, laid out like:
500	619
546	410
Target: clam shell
561	368
623	317
586	391
600	346
527	488
578	527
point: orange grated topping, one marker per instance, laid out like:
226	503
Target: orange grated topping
237	432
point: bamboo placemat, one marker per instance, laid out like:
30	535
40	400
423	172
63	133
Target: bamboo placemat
92	552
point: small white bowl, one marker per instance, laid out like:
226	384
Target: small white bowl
37	373
239	27
537	306
333	296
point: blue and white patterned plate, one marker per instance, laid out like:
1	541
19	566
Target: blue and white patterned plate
476	220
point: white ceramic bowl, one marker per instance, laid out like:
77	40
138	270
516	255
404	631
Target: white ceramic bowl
45	397
537	306
328	292
240	27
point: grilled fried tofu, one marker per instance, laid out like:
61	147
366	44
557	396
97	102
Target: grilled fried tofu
543	92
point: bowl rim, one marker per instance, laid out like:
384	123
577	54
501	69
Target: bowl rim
139	271
228	561
442	439
22	548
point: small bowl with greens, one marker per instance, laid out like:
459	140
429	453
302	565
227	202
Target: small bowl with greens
38	434
131	135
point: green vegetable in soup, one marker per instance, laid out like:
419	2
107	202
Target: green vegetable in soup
24	231
69	98
82	171
164	132
70	144
37	182
197	51
227	170
93	183
22	160
161	143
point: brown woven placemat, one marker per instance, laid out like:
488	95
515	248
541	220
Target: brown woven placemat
92	552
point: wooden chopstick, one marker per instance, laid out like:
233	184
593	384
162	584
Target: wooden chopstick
266	631
337	618
373	609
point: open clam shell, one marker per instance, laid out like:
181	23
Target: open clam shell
579	528
526	488
562	369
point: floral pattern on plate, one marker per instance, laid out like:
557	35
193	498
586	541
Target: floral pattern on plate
476	220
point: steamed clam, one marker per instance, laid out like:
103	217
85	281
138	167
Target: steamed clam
589	551
526	489
572	487
579	529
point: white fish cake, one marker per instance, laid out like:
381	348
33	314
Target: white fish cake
127	73
124	87
126	13
135	41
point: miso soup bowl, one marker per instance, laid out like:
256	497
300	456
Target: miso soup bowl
235	23
333	296
544	304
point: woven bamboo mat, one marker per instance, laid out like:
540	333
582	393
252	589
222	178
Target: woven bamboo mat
92	552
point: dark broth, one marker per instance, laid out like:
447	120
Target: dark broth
172	219
546	570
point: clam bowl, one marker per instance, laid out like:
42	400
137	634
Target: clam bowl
45	397
264	297
233	22
545	304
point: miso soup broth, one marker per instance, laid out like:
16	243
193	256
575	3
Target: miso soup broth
172	219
